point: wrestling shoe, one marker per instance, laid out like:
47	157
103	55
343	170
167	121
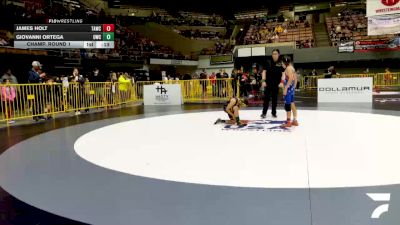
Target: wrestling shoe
274	116
295	123
263	116
287	124
218	121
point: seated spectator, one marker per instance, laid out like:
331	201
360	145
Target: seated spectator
338	29
278	29
307	24
3	42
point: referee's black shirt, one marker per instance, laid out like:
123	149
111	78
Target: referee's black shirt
274	73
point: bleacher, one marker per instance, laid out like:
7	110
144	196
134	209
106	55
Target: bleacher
273	32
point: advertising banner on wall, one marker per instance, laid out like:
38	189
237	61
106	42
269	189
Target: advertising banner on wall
166	94
356	90
346	46
381	25
381	45
382	7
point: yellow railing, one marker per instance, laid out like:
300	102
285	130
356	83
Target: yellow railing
34	100
196	90
207	90
379	79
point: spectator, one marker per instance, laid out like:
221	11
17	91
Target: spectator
225	75
299	76
3	42
8	96
314	73
78	91
8	75
213	79
187	77
124	84
204	77
35	76
338	29
97	76
388	76
307	24
330	72
234	76
50	94
278	29
219	82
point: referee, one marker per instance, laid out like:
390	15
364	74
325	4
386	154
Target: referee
271	79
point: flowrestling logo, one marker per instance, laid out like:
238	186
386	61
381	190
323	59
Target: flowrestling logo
390	2
383	198
259	125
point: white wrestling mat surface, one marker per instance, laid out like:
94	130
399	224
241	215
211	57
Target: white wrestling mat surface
328	149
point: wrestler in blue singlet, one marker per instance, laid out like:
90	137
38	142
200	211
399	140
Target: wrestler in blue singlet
289	98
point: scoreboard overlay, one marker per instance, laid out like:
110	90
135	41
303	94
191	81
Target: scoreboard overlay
64	36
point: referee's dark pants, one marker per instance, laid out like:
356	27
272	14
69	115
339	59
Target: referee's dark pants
270	92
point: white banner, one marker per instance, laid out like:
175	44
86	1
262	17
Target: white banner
347	46
154	61
382	7
345	90
166	94
381	25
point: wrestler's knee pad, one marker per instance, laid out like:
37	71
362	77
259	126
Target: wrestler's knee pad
288	107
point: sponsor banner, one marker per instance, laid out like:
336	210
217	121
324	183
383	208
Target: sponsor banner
174	62
355	90
382	7
382	45
166	94
221	59
385	100
347	46
381	25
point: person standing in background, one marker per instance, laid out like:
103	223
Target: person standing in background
388	76
203	83
225	75
219	83
78	91
270	81
8	96
298	74
213	80
96	76
8	75
124	85
35	76
98	81
234	82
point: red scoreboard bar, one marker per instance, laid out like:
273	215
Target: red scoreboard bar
108	27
